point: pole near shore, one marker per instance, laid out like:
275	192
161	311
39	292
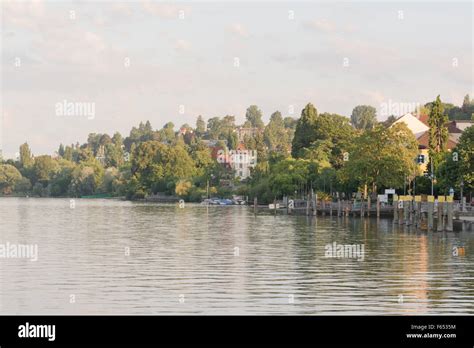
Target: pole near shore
411	205
430	212
400	209
314	202
395	209
255	205
307	204
417	211
449	213
406	210
378	206
338	207
440	213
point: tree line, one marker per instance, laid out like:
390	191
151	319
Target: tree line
324	152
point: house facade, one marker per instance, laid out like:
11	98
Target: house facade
419	126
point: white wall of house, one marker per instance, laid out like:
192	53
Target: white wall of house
414	124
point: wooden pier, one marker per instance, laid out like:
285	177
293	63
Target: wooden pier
429	213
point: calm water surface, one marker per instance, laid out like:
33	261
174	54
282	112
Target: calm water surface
185	261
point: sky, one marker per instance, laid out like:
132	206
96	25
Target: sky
133	61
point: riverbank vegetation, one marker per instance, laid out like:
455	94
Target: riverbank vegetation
324	152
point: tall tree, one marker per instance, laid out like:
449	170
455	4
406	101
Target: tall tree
117	139
26	159
382	157
305	129
364	117
200	125
466	103
254	116
214	126
466	157
61	150
276	135
438	133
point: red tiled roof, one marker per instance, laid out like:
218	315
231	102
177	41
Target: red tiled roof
423	141
424	118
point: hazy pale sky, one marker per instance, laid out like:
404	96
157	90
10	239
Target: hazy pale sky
158	61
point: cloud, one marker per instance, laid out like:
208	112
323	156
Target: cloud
165	11
321	24
182	45
324	25
239	30
375	97
24	14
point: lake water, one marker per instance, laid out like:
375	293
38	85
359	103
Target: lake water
116	257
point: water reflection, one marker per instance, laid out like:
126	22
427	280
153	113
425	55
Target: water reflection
223	260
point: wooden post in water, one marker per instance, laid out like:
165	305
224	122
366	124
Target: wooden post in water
449	213
395	209
417	211
410	210
315	204
368	205
338	207
255	205
401	211
406	210
307	204
378	206
330	207
323	207
361	207
275	205
430	212
440	213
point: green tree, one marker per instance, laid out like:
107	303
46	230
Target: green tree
200	125
305	129
335	134
438	134
254	116
382	157
86	178
26	159
288	176
214	126
43	169
290	122
68	153
113	155
466	157
167	132
61	180
61	150
466	104
275	134
117	139
232	140
364	117
9	177
158	167
448	172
